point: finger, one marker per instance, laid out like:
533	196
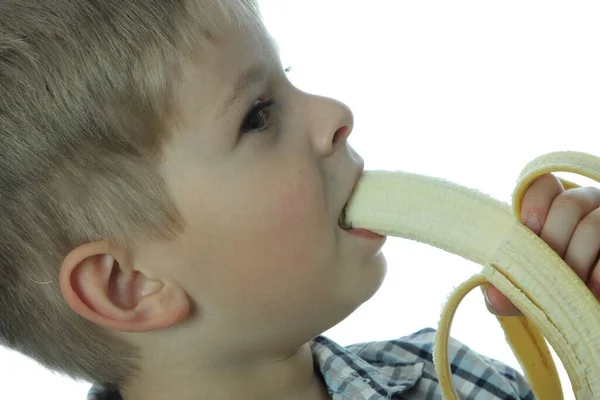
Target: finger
498	304
582	253
534	210
538	200
594	281
567	211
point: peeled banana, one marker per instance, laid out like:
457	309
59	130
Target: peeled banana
555	302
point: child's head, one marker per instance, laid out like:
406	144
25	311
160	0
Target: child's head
153	217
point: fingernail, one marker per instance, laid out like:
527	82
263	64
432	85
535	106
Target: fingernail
533	223
487	300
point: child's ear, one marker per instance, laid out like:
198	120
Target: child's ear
99	283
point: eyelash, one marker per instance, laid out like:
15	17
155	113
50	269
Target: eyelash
259	107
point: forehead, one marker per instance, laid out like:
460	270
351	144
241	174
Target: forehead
222	59
237	48
229	26
233	33
212	72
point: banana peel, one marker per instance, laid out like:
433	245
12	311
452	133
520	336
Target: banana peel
556	304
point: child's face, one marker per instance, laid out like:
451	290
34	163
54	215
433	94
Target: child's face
263	253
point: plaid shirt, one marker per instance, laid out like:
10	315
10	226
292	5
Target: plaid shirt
401	369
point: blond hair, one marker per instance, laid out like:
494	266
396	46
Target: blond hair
87	88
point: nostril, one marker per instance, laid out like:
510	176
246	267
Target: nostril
341	134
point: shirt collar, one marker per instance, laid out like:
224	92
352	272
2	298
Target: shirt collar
349	376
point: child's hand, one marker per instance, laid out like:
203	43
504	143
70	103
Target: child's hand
569	222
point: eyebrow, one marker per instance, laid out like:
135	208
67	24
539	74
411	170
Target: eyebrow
252	76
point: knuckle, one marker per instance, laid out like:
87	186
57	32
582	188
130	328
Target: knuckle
594	191
544	184
541	193
548	179
591	222
569	200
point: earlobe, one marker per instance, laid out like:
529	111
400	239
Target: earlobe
99	283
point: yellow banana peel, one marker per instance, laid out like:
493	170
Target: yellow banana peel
556	303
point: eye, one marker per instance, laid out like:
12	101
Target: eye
259	118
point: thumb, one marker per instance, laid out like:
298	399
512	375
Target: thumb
498	304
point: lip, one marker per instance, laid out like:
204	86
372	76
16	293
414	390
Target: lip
366	234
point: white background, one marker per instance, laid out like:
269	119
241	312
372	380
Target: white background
469	91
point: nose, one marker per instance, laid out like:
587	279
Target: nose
334	123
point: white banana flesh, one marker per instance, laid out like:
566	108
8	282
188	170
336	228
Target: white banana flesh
555	302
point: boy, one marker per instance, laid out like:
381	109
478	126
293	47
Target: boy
170	214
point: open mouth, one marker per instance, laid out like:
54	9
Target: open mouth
342	220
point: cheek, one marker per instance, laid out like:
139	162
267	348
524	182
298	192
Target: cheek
288	214
291	206
289	237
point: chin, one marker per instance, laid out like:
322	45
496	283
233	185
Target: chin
378	268
367	282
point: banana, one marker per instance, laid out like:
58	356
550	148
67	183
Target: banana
556	303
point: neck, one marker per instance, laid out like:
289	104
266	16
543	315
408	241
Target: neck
290	378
